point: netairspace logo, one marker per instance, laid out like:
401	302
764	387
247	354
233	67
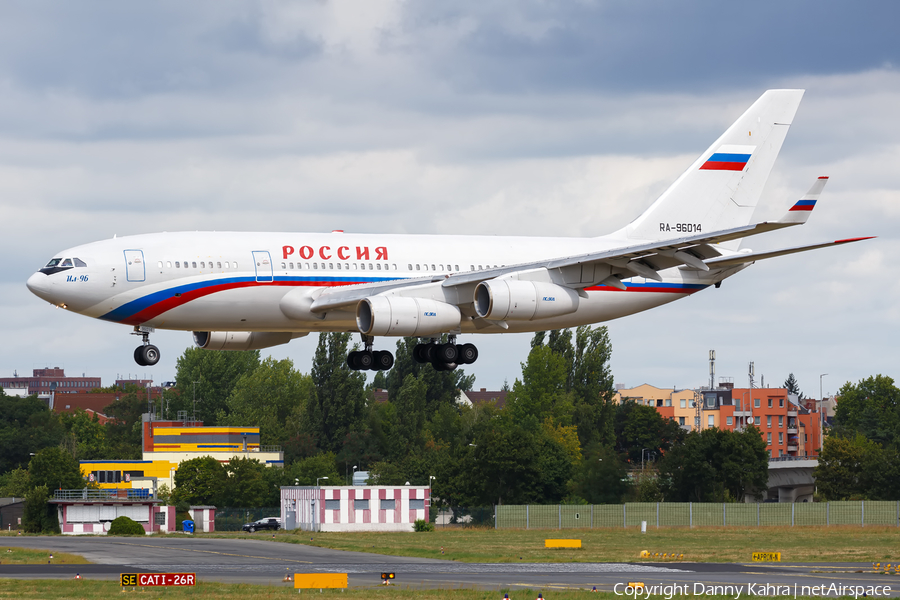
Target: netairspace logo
668	591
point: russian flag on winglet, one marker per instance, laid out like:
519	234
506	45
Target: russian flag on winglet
728	158
804	205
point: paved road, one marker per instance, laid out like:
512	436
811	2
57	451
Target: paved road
263	561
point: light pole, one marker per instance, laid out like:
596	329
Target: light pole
318	479
352	482
430	479
642	458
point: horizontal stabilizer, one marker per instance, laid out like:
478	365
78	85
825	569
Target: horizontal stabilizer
743	259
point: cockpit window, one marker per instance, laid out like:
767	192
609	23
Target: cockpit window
79	262
66	263
53	263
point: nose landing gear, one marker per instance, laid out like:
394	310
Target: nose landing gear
146	355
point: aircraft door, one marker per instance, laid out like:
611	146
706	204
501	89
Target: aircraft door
134	265
263	263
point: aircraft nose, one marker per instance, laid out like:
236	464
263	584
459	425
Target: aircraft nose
40	286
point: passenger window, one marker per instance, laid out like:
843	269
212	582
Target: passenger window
316	266
235	265
218	265
457	267
194	264
378	266
331	266
346	266
177	265
307	266
203	265
362	266
417	268
339	266
370	266
284	265
80	263
291	266
159	264
168	264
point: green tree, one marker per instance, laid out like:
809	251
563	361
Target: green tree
792	387
123	431
848	468
85	435
339	402
592	385
601	478
54	469
27	425
872	408
641	429
311	469
15	484
246	486
200	481
38	515
715	465
210	377
270	397
410	403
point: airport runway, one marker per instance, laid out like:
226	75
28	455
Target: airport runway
262	561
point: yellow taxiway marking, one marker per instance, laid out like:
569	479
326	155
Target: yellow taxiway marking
305	562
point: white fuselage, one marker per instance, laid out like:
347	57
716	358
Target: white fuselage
231	281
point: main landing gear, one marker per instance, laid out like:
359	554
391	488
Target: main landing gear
445	357
368	359
147	354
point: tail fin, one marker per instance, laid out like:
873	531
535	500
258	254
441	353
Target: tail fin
721	189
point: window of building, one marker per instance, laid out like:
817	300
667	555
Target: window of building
780	422
332	505
681	420
770	403
710	420
769	421
360	504
683	403
728	420
416	504
769	439
387	504
756	403
756	421
780	438
668	402
781	402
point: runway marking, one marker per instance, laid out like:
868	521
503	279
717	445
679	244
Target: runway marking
305	562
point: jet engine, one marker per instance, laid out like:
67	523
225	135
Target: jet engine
396	315
515	300
242	340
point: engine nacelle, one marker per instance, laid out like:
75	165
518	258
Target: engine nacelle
397	315
515	300
242	340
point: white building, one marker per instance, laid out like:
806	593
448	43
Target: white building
354	508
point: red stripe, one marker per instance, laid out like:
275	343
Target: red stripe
806	207
722	166
605	288
859	239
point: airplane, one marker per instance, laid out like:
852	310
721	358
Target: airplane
245	291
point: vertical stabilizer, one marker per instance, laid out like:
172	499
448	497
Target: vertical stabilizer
721	189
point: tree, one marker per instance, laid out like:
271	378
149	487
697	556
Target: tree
54	469
27	425
592	385
601	478
338	405
309	470
246	485
15	484
85	434
200	481
38	515
640	428
441	387
872	408
715	465
848	468
210	376
123	432
792	387
270	397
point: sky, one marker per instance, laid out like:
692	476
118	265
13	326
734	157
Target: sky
478	117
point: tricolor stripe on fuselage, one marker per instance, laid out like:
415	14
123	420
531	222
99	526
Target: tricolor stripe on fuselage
146	308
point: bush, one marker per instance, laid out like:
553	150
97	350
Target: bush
125	526
423	525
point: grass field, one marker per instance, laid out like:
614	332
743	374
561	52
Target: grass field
10	555
710	544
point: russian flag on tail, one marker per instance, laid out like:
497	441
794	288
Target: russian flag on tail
728	157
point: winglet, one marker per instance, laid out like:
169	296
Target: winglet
799	212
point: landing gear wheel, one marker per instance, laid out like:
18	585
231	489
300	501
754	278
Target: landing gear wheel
445	353
365	360
384	360
149	355
351	360
420	354
468	354
137	356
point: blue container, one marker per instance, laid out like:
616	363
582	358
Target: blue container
188	526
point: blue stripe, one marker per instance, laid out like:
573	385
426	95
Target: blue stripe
805	203
728	157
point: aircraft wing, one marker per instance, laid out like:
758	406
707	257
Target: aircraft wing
743	259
